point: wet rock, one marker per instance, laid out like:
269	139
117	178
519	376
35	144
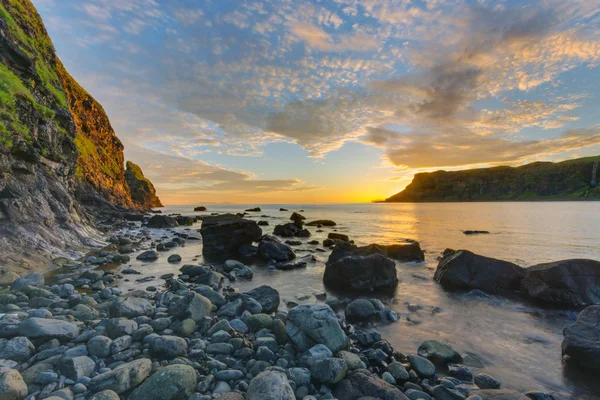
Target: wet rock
398	371
43	329
401	252
361	273
123	378
266	296
12	386
568	282
174	258
329	370
422	366
174	382
321	222
193	306
270	385
258	321
312	324
226	234
438	352
463	269
117	327
499	394
162	221
361	384
485	381
581	345
148	255
360	310
270	248
442	392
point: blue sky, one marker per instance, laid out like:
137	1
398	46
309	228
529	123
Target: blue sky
332	100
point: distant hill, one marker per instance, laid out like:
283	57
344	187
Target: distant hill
540	181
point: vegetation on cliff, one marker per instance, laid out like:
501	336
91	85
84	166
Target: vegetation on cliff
142	190
568	180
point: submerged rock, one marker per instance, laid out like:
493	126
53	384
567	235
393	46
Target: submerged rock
568	282
463	269
581	344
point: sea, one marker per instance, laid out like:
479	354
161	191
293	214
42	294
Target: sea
515	341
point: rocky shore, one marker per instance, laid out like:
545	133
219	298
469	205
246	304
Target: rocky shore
80	336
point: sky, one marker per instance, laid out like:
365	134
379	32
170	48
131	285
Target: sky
293	101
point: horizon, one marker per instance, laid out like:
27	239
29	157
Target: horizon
332	101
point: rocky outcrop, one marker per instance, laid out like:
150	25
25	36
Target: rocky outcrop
463	269
142	190
58	152
567	180
581	344
567	282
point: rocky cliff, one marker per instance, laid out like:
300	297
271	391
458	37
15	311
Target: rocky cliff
59	156
141	189
568	180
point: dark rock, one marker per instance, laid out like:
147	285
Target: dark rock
338	236
270	385
499	394
174	382
290	265
255	209
568	282
226	234
462	269
363	384
360	310
362	273
438	352
43	329
321	222
162	221
123	378
270	248
266	296
581	344
467	232
201	208
35	279
149	255
401	252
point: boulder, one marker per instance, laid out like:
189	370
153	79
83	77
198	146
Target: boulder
581	344
338	236
465	270
17	349
35	279
321	222
131	307
77	367
270	248
401	252
438	352
499	394
192	305
363	384
311	324
148	255
168	347
201	208
225	234
123	378
569	282
12	386
44	329
361	273
329	370
266	296
162	221
286	230
361	310
270	385
174	382
105	395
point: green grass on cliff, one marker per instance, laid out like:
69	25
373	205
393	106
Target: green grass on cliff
11	87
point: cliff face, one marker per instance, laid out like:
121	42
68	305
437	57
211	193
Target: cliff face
568	180
142	190
58	151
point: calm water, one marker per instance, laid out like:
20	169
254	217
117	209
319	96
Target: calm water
518	343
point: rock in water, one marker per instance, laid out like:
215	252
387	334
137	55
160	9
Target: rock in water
361	273
270	385
363	384
122	378
462	269
568	282
270	248
402	252
162	221
225	234
142	190
12	386
174	382
581	344
311	324
438	352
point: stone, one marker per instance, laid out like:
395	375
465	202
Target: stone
409	252
257	322
229	375
99	346
123	378
17	349
441	392
192	305
174	258
499	394
338	236
360	310
581	345
312	324
465	270
329	370
131	307
12	386
353	361
422	366
162	221
270	248
105	395
227	233
266	296
117	327
174	382
300	376
438	352
215	297
270	385
398	371
361	273
44	329
77	367
573	283
148	255
34	279
168	347
485	381
362	384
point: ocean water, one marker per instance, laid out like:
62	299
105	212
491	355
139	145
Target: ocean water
517	342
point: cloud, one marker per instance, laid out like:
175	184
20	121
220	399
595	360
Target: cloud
317	38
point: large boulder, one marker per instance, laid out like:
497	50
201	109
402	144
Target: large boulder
401	252
225	234
123	378
270	248
35	279
270	385
162	221
266	296
192	305
581	344
361	273
17	349
131	307
568	282
12	386
463	269
363	384
44	329
174	382
311	324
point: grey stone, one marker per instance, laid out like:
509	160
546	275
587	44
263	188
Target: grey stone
270	385
168	347
122	378
46	329
174	382
329	370
312	324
